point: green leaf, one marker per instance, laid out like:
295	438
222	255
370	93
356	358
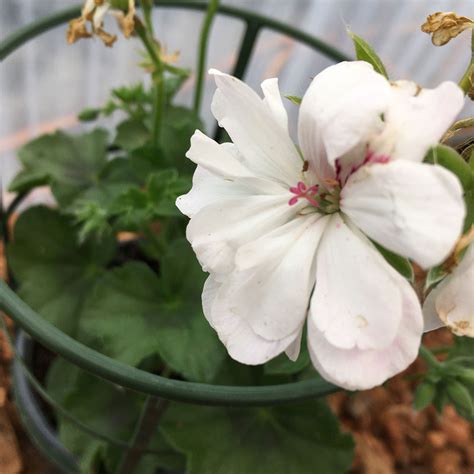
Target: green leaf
448	158
434	276
295	99
132	134
54	273
107	409
136	208
281	365
365	52
295	439
133	315
69	164
88	115
28	179
179	125
401	264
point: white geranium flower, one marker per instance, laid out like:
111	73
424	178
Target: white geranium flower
451	303
284	238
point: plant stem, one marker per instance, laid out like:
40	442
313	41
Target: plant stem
146	427
158	80
147	7
466	82
428	356
203	43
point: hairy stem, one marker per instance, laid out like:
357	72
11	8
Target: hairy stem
428	356
146	427
466	83
203	43
147	7
158	80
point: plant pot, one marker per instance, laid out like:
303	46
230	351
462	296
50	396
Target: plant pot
36	423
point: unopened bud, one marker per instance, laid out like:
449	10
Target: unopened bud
460	396
424	395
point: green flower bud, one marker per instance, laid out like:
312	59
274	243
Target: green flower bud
424	395
460	396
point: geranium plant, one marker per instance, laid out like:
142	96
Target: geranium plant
324	258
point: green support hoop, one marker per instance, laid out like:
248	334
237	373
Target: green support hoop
110	369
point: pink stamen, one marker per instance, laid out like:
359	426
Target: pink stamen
302	191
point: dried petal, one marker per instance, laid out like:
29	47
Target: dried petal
445	26
127	21
107	38
77	30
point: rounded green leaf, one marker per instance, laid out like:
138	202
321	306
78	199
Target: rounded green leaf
301	438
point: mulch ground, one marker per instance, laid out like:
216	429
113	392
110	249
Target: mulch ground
391	438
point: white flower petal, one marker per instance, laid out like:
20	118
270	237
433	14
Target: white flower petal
273	101
293	350
357	301
217	158
455	297
359	369
413	209
241	342
341	108
268	151
417	119
274	277
218	230
430	315
208	189
211	189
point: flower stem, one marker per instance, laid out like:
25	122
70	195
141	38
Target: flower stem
147	6
428	356
466	83
158	80
203	42
150	417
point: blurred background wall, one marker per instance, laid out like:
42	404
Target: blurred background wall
46	83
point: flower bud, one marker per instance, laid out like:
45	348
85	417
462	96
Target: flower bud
424	395
460	396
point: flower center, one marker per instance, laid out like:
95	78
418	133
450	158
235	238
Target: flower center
322	200
301	191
